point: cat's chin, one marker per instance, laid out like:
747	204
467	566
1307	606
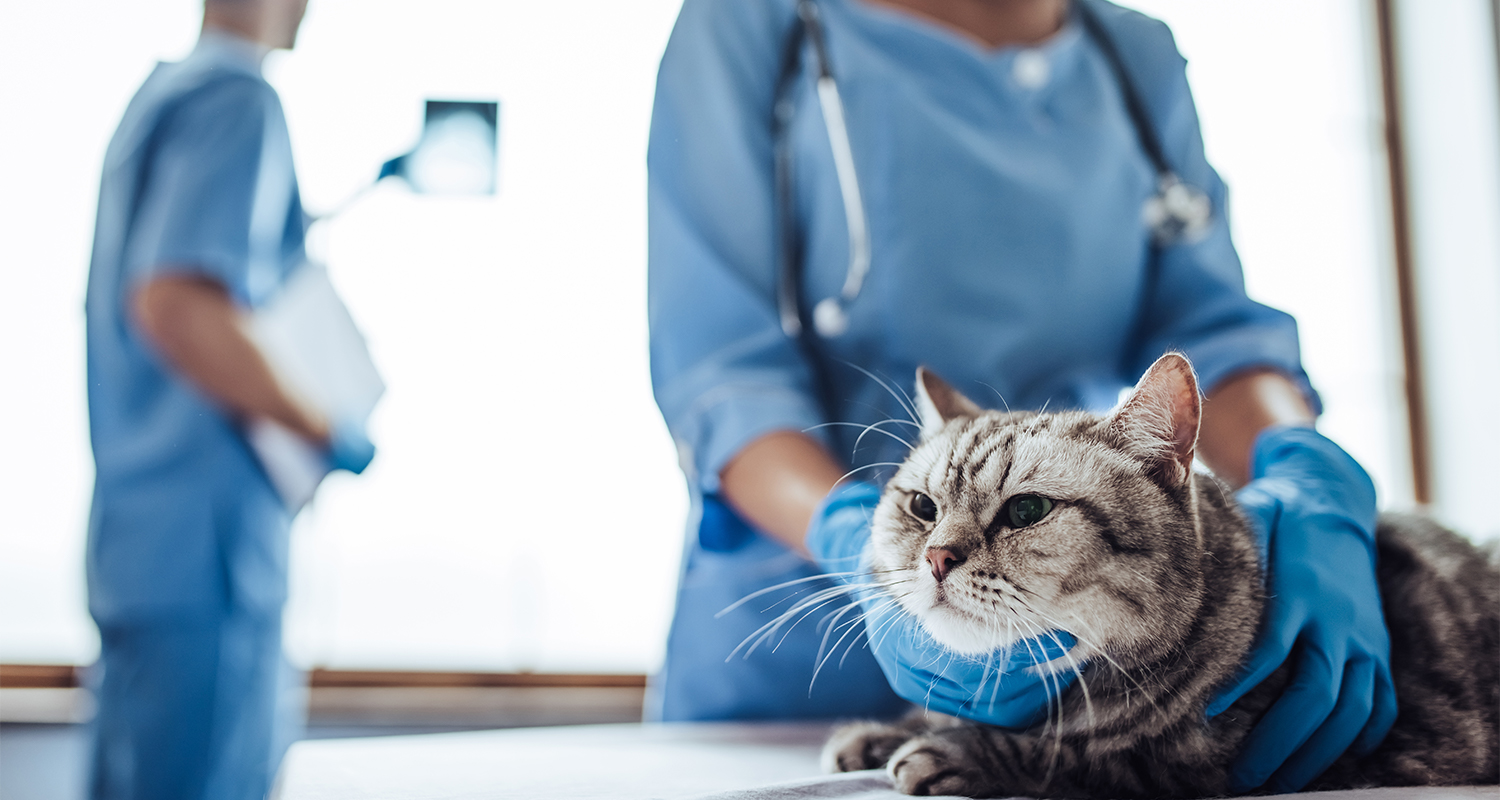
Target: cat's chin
962	633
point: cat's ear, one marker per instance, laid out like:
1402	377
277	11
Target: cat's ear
937	402
1159	421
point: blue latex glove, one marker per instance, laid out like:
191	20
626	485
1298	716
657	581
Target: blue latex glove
997	690
1316	507
349	448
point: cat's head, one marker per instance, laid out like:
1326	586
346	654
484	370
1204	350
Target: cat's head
1000	526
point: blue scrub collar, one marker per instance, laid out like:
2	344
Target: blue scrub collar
229	49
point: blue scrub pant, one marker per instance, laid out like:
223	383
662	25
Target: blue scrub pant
697	683
189	709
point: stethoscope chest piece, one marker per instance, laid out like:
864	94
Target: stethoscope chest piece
1178	212
829	318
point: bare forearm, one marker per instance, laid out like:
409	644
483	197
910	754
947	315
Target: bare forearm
1238	409
777	481
196	326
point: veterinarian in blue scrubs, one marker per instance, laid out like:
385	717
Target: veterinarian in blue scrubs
1003	179
199	219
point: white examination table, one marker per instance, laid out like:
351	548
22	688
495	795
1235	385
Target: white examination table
618	762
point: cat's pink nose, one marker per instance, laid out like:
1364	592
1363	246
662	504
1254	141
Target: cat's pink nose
943	561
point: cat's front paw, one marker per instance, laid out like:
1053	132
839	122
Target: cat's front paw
929	766
862	745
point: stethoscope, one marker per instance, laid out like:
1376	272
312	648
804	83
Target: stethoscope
1176	212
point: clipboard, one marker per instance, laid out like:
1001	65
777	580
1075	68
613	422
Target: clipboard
317	352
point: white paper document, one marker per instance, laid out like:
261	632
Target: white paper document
313	346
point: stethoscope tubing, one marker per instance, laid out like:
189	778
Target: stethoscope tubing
828	317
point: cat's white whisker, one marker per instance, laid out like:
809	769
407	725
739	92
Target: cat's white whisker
831	621
1080	630
825	621
1083	685
824	659
911	402
769	629
1054	695
998	395
941	674
868	466
984	676
794	625
905	400
890	623
1085	636
1054	700
862	617
796	596
876	427
1010	629
864	429
747	598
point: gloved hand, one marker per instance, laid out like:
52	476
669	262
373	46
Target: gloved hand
349	448
998	689
1316	507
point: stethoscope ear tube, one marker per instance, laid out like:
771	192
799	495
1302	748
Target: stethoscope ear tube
789	277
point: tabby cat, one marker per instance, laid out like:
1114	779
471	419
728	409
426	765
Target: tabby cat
1105	531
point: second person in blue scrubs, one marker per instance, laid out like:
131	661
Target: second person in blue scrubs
1004	183
200	221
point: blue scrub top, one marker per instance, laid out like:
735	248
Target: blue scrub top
1004	191
198	179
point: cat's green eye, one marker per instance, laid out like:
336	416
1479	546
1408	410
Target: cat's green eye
1027	509
922	507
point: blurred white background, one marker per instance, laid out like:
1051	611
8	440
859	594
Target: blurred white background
526	510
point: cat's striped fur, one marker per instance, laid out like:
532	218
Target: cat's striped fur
1156	572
